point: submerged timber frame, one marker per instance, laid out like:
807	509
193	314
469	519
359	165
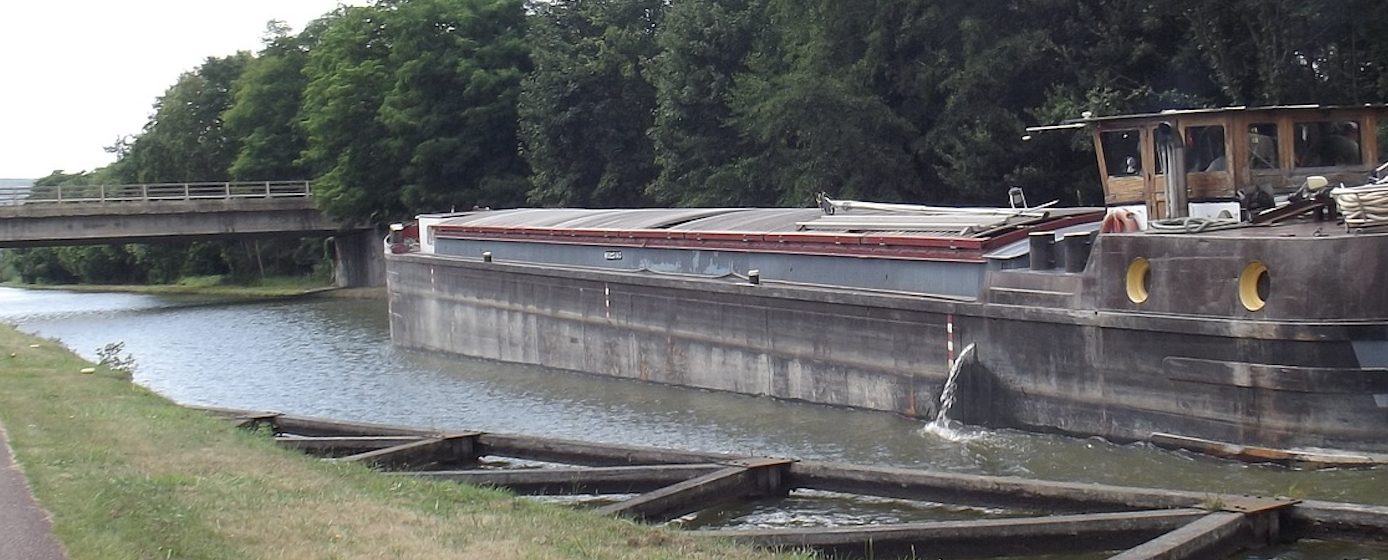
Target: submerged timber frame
1144	523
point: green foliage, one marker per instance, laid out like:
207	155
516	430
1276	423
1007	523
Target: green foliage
412	104
264	115
184	140
347	81
404	106
704	45
588	103
166	263
807	104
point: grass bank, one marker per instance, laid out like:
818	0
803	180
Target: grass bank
218	286
128	474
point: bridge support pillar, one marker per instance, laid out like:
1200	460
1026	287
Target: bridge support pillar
361	259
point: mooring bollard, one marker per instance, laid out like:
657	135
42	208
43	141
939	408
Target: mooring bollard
486	256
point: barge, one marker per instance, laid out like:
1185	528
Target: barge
1236	305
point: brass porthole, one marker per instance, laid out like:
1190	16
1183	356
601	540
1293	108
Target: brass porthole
1254	286
1138	271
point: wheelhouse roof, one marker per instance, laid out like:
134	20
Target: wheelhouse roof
1169	113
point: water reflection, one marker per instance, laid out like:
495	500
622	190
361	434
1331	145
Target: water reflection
329	357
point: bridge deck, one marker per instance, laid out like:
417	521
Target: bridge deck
66	215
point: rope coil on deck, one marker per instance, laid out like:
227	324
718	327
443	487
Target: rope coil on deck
1363	206
1193	225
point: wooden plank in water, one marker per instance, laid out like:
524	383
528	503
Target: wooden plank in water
1216	535
596	480
590	454
308	426
728	483
739	480
452	449
1311	519
254	420
1255	454
343	444
1340	521
910	484
986	537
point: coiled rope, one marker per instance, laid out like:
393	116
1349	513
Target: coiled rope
1363	206
1192	225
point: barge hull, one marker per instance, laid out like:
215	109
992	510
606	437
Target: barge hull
1078	373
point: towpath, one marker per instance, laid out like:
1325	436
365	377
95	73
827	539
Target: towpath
25	533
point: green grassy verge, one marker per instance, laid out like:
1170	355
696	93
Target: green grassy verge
128	474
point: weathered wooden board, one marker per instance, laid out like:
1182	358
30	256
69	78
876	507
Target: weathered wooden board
343	444
591	454
1215	535
981	537
595	480
446	450
726	484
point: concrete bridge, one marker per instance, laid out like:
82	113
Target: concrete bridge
89	215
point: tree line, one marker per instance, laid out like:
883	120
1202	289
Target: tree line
408	106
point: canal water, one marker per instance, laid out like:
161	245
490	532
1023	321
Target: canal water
333	358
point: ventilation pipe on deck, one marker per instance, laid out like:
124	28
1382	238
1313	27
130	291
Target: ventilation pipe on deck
1172	151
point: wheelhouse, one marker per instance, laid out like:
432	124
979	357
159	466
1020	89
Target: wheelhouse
1203	159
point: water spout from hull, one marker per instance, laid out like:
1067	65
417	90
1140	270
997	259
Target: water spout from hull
942	426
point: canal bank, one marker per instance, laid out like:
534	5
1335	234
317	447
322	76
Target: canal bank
127	474
332	358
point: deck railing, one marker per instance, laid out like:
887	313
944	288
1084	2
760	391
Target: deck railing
10	196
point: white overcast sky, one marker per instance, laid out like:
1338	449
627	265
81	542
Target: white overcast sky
77	74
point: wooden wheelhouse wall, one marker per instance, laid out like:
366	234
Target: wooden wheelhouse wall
1238	170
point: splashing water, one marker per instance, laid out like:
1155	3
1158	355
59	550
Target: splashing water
942	427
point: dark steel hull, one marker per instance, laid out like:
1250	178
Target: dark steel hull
1054	352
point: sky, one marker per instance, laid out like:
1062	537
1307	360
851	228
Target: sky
76	75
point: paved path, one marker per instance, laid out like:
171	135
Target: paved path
25	533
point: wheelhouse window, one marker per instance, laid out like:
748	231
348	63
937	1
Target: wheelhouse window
1382	142
1122	152
1205	149
1327	143
1262	146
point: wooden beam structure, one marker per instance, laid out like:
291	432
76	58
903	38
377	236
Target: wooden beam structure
552	450
446	450
1216	535
746	480
987	491
1160	524
592	480
344	445
979	537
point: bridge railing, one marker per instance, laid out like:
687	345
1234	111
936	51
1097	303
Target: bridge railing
152	192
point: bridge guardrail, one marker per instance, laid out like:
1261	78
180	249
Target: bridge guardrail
11	196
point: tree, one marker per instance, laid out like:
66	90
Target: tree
412	104
264	116
458	66
185	139
807	103
587	106
704	45
347	80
